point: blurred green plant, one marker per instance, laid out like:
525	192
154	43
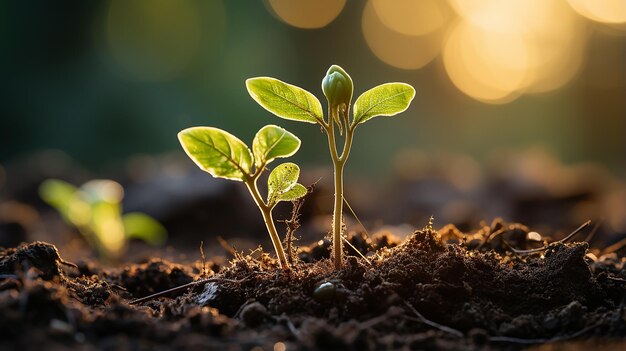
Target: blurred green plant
95	209
294	103
223	155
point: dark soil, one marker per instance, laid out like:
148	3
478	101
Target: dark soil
435	290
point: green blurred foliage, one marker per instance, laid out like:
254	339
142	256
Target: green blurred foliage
103	84
95	210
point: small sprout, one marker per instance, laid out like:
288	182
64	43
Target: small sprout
282	184
338	89
293	103
95	209
223	155
325	292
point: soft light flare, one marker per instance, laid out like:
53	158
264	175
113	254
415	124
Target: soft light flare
307	14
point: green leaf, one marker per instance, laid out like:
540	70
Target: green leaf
285	100
67	200
57	193
107	226
217	152
106	190
384	100
297	191
141	226
281	180
272	142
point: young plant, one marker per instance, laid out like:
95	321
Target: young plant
223	155
294	103
95	209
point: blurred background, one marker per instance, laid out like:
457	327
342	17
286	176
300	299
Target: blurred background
520	109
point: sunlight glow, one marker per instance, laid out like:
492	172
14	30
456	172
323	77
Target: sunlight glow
605	11
411	17
395	48
307	14
500	50
477	64
104	190
110	230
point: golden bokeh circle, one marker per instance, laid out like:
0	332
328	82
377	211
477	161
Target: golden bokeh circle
397	49
490	67
307	14
412	17
605	11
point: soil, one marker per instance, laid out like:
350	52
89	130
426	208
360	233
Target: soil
442	290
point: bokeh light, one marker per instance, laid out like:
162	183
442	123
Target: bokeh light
487	66
79	212
109	228
396	48
307	14
500	50
103	190
412	17
605	11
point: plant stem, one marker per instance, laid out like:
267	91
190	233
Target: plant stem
338	165
271	228
338	214
266	211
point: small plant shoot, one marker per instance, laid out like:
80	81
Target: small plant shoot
223	155
293	103
95	209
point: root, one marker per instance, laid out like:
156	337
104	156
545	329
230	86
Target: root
293	224
422	319
184	287
543	341
543	248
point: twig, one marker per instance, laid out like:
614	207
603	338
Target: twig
187	286
226	246
594	229
543	341
356	217
375	320
8	276
357	251
512	249
491	236
292	328
248	301
617	279
539	249
426	321
204	273
615	247
517	340
69	264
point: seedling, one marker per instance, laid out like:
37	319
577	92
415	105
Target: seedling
294	103
95	209
223	155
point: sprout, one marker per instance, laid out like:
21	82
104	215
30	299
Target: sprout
95	209
223	155
338	89
291	102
